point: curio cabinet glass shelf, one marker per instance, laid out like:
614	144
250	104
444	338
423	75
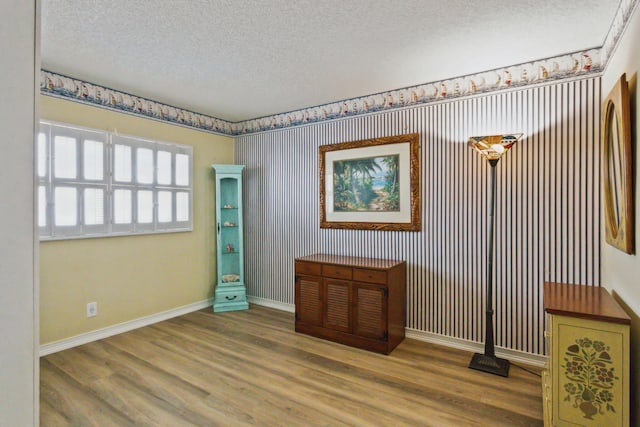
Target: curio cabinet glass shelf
230	293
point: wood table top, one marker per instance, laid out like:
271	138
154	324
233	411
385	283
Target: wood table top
351	261
588	302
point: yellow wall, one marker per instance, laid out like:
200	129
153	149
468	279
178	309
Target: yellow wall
130	276
620	271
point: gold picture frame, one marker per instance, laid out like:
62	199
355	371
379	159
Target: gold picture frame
371	184
617	169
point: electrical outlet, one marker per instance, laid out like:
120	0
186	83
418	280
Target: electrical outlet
92	309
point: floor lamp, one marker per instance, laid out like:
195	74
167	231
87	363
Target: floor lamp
491	147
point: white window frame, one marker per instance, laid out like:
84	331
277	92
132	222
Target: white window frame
81	230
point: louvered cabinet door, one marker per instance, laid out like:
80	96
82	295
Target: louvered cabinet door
370	310
337	305
309	300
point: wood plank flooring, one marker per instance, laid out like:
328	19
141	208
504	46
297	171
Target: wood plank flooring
251	368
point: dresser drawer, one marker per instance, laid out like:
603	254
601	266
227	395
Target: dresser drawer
230	294
369	276
310	268
336	271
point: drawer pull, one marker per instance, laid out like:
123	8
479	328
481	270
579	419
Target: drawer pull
231	298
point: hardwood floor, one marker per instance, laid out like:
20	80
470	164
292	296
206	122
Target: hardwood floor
251	368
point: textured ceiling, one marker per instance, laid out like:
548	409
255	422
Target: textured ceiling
243	59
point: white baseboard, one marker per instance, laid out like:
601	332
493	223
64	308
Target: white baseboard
53	347
119	328
290	308
476	347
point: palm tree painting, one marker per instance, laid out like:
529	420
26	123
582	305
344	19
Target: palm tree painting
368	184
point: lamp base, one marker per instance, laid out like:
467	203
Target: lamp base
492	365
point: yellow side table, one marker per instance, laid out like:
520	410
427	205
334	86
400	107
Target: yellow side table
586	382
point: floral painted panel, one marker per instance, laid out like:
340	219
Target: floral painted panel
588	367
590	374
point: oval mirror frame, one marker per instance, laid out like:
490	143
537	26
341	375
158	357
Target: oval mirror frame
617	169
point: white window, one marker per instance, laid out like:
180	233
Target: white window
94	183
71	181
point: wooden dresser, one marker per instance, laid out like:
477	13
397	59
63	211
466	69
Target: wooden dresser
354	301
586	381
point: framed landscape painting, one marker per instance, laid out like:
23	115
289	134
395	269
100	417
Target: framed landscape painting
371	184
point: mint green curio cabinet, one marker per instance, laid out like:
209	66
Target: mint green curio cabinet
230	293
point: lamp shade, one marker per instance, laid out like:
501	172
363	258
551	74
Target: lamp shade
493	146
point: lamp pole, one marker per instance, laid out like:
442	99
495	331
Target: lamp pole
488	362
489	348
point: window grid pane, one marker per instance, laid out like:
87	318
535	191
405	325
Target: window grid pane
42	206
122	206
65	157
93	206
122	163
164	167
182	169
144	166
182	206
93	160
145	207
164	206
66	206
42	155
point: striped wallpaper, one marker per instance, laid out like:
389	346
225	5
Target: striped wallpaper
548	207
